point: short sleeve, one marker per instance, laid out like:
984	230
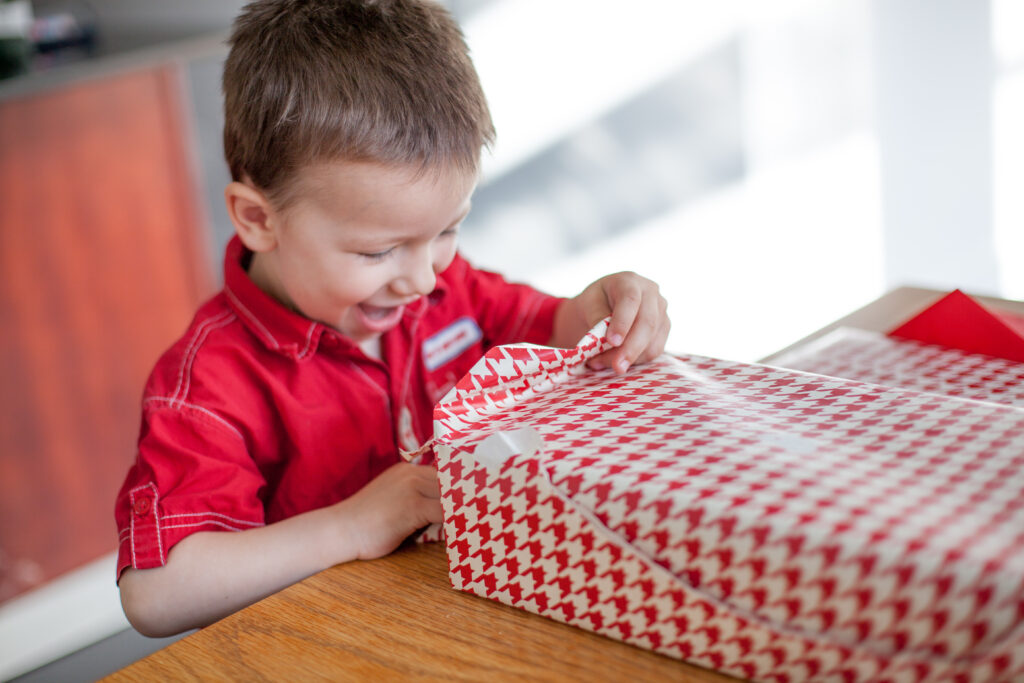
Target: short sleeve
192	473
509	313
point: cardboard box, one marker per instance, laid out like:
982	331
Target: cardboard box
771	524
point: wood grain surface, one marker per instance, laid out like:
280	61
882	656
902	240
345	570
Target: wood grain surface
398	618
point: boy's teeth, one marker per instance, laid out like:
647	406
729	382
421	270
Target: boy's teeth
376	312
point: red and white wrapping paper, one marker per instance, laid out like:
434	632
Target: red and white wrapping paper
771	524
880	359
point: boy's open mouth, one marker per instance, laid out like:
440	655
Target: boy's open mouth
380	318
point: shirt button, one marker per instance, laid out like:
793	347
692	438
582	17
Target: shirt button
142	506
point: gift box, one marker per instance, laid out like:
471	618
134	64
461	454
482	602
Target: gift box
960	322
955	347
881	359
768	523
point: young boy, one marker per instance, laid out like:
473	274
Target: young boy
353	132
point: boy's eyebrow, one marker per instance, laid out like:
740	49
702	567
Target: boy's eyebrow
372	241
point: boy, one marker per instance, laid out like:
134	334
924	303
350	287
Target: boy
353	130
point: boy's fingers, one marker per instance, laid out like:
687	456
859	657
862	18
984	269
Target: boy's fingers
626	303
640	337
431	511
644	341
657	345
596	306
602	361
427	482
639	325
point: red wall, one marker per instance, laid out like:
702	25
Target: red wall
101	267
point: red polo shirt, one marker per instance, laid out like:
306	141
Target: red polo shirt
257	413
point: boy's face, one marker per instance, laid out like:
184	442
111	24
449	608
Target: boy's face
361	241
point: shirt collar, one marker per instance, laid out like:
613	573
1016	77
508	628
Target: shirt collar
279	328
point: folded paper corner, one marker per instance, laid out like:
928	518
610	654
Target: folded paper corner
959	321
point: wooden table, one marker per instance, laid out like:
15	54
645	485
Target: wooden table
398	617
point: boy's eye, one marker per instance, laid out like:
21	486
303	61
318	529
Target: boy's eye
377	255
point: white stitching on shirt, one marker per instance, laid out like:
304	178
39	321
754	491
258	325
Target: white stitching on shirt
125	533
195	352
199	331
131	533
215	522
309	341
177	405
159	532
131	521
370	381
213	514
249	314
156	519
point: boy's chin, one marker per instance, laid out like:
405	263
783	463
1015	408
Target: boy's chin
361	338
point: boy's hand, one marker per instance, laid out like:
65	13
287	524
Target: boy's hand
639	324
209	575
396	503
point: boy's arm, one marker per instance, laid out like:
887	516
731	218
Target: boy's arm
639	321
209	575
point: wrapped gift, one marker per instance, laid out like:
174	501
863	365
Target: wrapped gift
772	524
960	322
955	347
881	359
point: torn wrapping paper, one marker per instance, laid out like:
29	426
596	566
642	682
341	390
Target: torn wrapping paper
771	524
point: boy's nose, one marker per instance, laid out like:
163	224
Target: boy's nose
419	277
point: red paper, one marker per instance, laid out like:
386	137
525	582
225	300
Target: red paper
875	358
958	321
775	525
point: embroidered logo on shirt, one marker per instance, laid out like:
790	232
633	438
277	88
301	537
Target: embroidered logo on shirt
450	342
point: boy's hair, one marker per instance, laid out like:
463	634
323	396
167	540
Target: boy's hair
356	80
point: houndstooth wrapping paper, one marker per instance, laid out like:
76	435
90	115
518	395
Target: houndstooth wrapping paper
775	525
879	359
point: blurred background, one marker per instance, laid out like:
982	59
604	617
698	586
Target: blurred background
772	165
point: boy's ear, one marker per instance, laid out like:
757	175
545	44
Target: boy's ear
252	215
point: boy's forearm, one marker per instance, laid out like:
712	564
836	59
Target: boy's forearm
212	574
